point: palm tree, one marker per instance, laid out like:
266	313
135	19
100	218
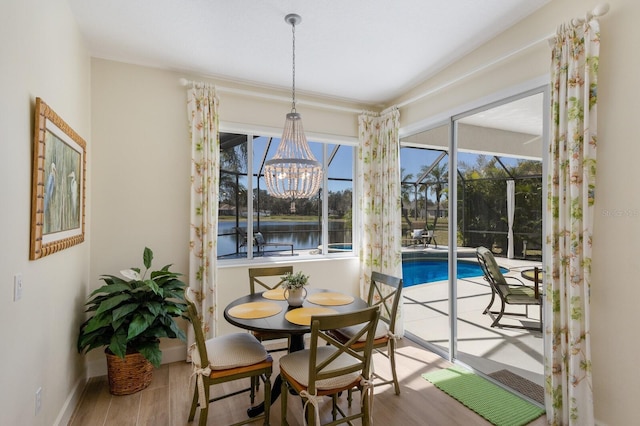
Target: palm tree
233	165
440	174
405	193
437	185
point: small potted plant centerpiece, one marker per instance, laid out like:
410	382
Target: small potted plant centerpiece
294	290
129	316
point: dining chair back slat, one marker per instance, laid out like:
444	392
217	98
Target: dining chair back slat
331	366
259	277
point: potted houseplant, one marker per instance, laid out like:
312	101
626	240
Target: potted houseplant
129	316
294	291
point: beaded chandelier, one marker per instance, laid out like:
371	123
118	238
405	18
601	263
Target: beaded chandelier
293	172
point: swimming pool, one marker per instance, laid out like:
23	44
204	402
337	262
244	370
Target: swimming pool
423	270
338	247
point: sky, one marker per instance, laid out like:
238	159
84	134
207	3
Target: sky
412	160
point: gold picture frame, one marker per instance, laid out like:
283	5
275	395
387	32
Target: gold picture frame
58	184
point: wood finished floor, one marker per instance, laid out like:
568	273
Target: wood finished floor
167	400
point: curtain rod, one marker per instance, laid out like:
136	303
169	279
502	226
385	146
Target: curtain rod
222	89
599	10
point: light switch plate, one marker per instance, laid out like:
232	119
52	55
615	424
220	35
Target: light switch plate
17	287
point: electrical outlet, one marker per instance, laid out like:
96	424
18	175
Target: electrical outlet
17	287
38	400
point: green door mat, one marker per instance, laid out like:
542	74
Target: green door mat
500	407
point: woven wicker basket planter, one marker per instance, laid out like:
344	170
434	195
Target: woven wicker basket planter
128	375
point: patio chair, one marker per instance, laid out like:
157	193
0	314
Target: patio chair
429	238
330	367
261	243
223	359
508	294
415	237
243	235
385	291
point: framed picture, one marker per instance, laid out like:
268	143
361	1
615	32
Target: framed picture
58	187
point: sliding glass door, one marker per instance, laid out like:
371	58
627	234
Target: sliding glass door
476	181
424	160
499	193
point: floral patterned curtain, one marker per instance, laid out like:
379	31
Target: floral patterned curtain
202	108
570	208
379	199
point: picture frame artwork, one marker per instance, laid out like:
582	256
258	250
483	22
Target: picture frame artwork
58	184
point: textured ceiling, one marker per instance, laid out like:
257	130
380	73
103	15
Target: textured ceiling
366	51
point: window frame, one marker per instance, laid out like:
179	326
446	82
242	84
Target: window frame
263	131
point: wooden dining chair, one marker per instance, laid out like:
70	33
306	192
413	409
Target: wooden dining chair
223	359
330	367
264	279
385	291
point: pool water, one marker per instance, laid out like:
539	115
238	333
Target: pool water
421	270
418	268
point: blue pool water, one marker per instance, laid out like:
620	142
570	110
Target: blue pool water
420	268
423	270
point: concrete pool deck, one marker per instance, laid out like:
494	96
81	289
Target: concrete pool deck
487	349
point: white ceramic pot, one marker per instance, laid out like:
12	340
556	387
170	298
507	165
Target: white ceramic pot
295	296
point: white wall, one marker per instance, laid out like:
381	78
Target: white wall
614	289
42	56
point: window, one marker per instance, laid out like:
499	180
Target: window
301	227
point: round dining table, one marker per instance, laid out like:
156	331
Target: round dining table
278	322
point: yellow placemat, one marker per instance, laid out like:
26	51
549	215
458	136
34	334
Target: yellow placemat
330	299
274	294
253	310
302	316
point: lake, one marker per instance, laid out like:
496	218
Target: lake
304	235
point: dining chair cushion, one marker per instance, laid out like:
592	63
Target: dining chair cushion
296	364
382	330
231	351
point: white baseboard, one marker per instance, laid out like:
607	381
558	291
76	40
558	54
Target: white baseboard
71	403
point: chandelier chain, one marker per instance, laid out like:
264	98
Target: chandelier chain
293	103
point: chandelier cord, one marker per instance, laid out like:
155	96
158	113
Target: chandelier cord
293	103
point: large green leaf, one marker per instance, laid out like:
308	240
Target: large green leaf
97	321
112	302
139	324
112	279
175	310
120	322
151	351
124	310
177	331
154	307
147	257
92	340
174	285
118	343
111	288
153	286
